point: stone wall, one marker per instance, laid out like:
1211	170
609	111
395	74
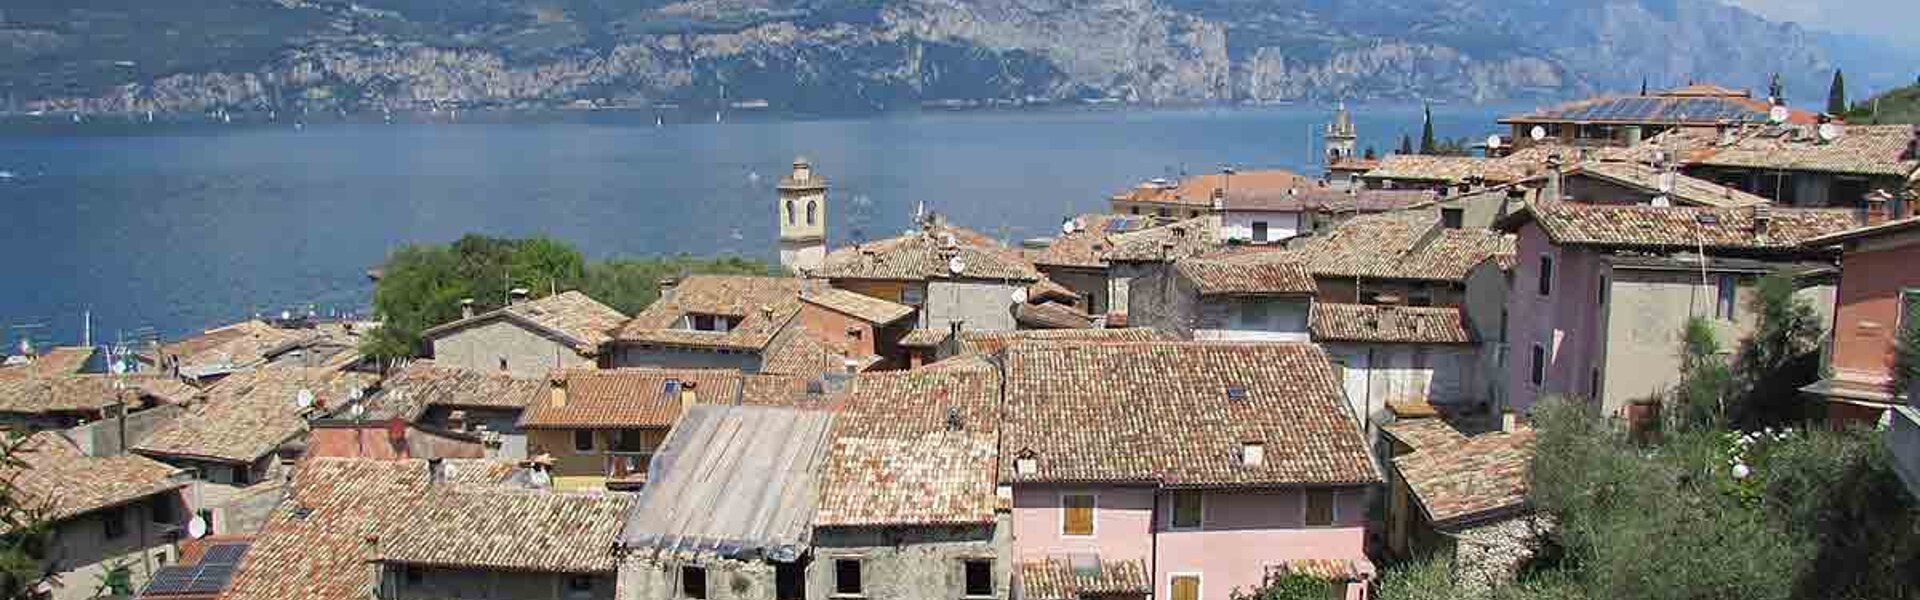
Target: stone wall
483	347
983	305
1491	555
650	578
1158	299
905	563
1088	283
102	438
664	357
430	583
82	554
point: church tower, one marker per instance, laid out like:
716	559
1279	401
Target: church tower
803	218
1340	137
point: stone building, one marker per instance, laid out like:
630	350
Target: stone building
1447	491
1077	261
1622	121
112	519
1805	165
711	322
1390	354
36	402
232	438
527	338
460	543
947	273
802	197
601	428
1225	300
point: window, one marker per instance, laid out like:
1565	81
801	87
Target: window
1546	275
1164	212
789	581
1259	231
812	207
1600	295
164	511
1421	296
1593	384
1319	508
704	323
693	582
1724	298
1076	514
413	574
846	577
629	441
1133	209
580	583
582	440
1538	372
503	363
114	523
1452	218
979	575
1188	508
1253	454
792	217
1185	587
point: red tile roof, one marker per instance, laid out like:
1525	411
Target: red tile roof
1224	278
1172	241
249	414
88	393
59	361
763	306
1409	245
1881	150
1051	315
992	342
1335	322
501	530
1472	479
423	384
626	398
1197	191
1056	579
860	306
55	475
582	322
1679	227
928	254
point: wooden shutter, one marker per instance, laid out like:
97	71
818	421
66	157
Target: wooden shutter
1186	587
1319	508
1078	519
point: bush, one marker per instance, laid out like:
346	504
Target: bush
1289	586
1779	358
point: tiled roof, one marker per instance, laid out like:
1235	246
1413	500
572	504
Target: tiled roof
1330	569
1335	322
316	545
925	254
64	360
235	346
912	404
1172	241
1051	315
860	306
937	478
1086	246
87	393
992	342
764	305
1424	433
1686	190
1422	167
1056	579
1860	150
1889	227
249	414
923	338
1402	245
585	323
1048	288
1320	197
531	530
423	384
1655	227
55	475
1197	191
1222	278
1693	105
802	352
1179	414
610	398
1459	482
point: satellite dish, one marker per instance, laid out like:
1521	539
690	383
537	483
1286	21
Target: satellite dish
1066	226
1778	114
1538	133
356	394
358	410
303	398
1493	141
1019	295
1829	132
197	527
117	368
956	266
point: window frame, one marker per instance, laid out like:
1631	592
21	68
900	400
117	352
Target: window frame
859	577
1545	284
1173	510
580	435
1726	297
113	523
1306	508
689	575
1261	232
1093	515
1537	369
966	577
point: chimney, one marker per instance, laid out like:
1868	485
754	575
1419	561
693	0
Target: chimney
1509	421
689	397
954	421
466	308
1219	200
457	420
557	390
436	471
1554	172
667	284
517	295
1878	203
1762	218
766	310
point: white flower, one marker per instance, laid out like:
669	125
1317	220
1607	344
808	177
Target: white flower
1741	471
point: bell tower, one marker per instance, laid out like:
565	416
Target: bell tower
802	207
1340	136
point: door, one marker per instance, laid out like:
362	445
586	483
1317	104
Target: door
1186	587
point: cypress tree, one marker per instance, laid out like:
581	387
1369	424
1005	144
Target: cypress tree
1406	144
1643	86
1426	132
1837	94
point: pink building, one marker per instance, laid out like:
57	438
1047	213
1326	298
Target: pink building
1182	471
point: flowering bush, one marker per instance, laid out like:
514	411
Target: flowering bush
1743	451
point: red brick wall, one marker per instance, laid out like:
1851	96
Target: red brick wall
832	325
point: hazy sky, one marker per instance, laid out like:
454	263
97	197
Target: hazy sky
1892	20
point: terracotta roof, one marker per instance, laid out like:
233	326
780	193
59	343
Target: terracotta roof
1197	191
53	474
1222	278
860	306
1678	227
1402	245
1335	322
423	384
1460	482
498	530
1705	89
924	255
1424	433
1860	150
1889	227
923	338
1179	414
1686	190
1051	315
938	478
1047	288
1450	169
616	398
64	360
582	322
763	306
912	404
1330	569
1319	197
237	346
249	414
317	544
992	342
87	393
1087	245
801	352
1056	579
1172	241
1693	105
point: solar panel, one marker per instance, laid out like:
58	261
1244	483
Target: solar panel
171	580
210	578
223	554
1119	225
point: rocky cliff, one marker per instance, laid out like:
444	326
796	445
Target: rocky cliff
103	56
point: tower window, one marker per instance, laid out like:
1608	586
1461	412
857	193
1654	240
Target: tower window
790	214
811	208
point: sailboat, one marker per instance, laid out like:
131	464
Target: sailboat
149	116
716	116
657	122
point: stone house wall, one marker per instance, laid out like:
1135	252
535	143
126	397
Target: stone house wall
908	563
411	582
485	346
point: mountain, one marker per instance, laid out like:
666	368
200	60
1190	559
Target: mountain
106	56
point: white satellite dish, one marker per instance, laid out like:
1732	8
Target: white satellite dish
1778	114
117	367
1493	141
1066	226
956	266
1538	133
358	410
197	527
303	398
1828	132
1019	295
356	394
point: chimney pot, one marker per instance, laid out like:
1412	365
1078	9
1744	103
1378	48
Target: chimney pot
466	308
436	471
1762	218
1877	207
517	295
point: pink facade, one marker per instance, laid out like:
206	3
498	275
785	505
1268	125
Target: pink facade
1242	533
1566	323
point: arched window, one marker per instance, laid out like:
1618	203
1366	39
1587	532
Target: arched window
790	215
810	210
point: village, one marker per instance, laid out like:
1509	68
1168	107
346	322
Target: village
1221	382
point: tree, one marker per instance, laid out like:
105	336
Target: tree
1643	86
1406	144
1289	586
1837	94
1699	399
1779	358
25	534
1426	131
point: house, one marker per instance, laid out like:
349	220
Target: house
324	540
1198	195
1447	492
848	326
602	428
55	362
711	321
1634	182
486	542
217	352
907	505
526	338
728	516
64	401
1388	354
1805	165
1628	120
1418	257
111	519
1076	259
231	438
427	410
947	273
1223	300
1878	296
1138	254
1242	462
201	572
1274	215
1601	293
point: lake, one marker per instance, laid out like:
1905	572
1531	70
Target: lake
182	227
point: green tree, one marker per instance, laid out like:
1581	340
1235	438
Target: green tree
1778	358
1426	131
1699	399
1837	94
1839	491
25	534
1289	586
1406	144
